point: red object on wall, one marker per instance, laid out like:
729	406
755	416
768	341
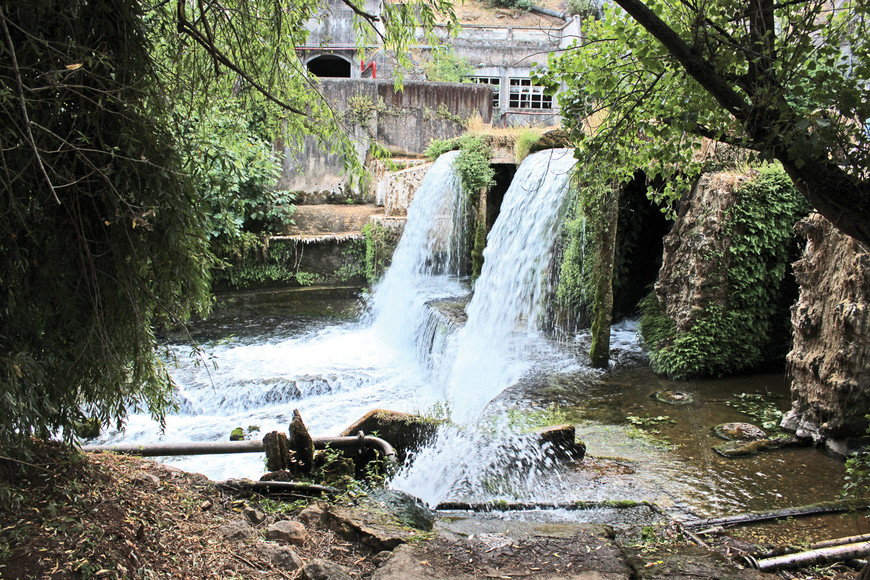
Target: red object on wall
372	65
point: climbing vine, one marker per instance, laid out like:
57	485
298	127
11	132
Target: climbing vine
380	243
739	335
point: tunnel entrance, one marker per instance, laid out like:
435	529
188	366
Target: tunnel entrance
330	66
504	174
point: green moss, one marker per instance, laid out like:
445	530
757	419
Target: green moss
380	243
742	334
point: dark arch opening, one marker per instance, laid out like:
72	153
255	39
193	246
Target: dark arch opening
329	66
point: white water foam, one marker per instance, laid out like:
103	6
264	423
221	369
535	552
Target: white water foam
507	302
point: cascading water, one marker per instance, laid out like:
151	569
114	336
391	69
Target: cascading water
493	350
426	262
507	297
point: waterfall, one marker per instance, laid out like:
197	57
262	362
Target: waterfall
507	296
427	260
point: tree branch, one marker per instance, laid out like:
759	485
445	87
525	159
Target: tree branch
185	27
30	140
693	63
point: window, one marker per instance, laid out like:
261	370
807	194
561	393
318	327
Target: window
495	83
526	95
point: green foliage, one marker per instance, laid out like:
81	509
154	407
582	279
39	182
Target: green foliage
582	7
473	167
235	170
438	147
795	93
518	4
761	407
736	336
446	66
103	237
380	243
524	141
857	479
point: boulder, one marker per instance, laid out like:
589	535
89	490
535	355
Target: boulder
324	570
406	508
283	557
288	532
404	431
371	524
738	432
235	530
254	516
563	440
829	364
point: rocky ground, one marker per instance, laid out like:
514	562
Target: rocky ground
65	515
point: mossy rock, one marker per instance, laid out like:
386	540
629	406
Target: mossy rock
738	432
555	139
88	429
673	397
734	449
237	434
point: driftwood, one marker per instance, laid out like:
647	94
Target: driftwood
504	506
277	487
825	544
812	557
795	512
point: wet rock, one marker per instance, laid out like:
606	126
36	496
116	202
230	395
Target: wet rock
237	434
235	530
748	449
738	432
287	531
283	557
563	440
406	508
254	516
673	397
404	431
370	524
333	469
324	570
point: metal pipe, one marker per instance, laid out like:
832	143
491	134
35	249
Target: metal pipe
811	557
187	448
219	447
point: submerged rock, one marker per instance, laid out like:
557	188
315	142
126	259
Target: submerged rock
563	440
748	449
738	432
673	397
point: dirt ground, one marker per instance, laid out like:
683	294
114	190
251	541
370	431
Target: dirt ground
67	515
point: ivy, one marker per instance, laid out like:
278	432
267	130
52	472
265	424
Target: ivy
743	333
380	243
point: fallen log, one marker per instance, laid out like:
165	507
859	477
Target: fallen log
278	487
504	506
811	557
754	517
824	544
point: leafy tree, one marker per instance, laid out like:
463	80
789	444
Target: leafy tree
448	67
103	232
786	79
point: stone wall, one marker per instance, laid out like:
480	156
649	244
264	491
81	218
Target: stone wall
829	364
403	122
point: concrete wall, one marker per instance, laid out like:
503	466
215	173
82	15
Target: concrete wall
404	122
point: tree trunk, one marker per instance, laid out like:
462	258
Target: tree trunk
602	308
